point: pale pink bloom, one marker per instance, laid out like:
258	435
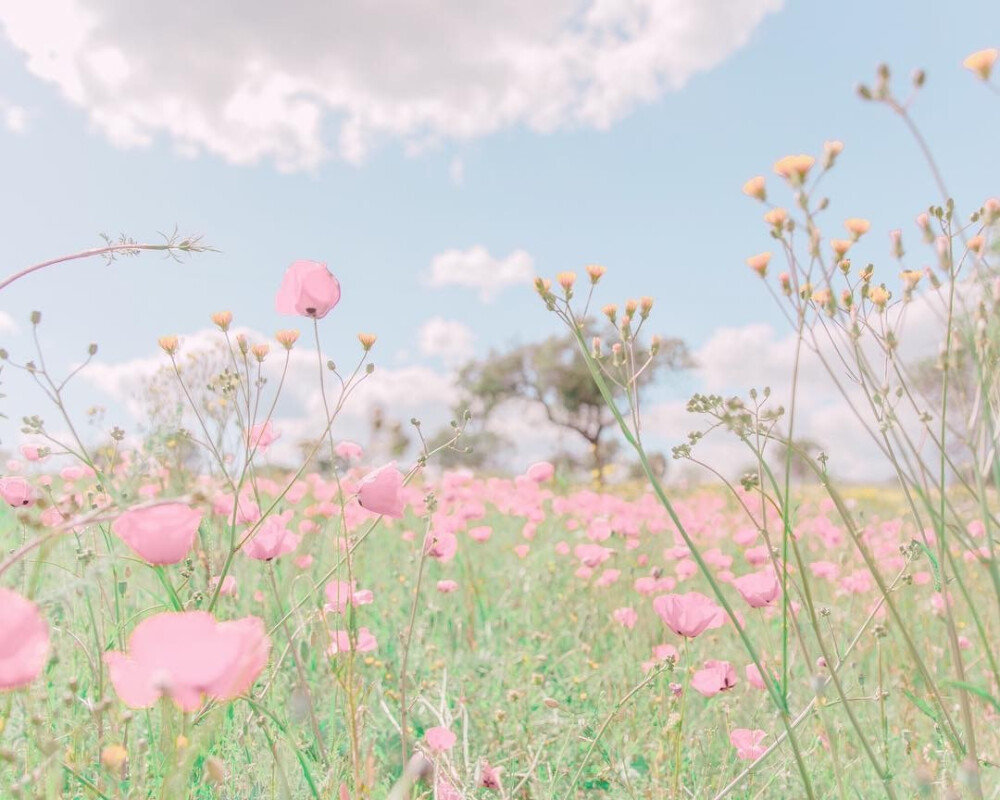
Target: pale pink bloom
228	585
30	452
757	556
826	570
686	568
759	589
522	550
160	534
72	473
489	777
562	548
754	677
748	743
303	562
187	656
13	465
442	546
447	587
481	533
445	790
626	617
262	436
439	739
308	289
592	555
24	641
340	594
16	491
687	614
715	677
608	577
349	451
341	643
381	491
964	643
858	582
541	472
272	540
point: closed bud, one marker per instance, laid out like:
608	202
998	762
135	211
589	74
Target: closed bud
36	317
611	312
242	343
92	350
367	340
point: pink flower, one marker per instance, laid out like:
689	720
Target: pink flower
717	676
747	743
381	491
272	540
341	594
160	534
442	546
30	452
447	587
489	777
16	491
626	617
341	643
308	289
759	589
228	585
304	562
262	436
349	451
187	656
541	472
688	614
481	533
439	739
522	550
754	678
24	641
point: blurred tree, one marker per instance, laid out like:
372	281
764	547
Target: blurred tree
553	375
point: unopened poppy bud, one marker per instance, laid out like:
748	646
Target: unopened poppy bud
840	246
168	344
287	338
645	306
223	319
36	317
755	188
113	758
759	262
991	210
595	347
867	272
976	245
654	345
92	350
182	742
786	283
215	771
260	352
367	340
611	312
596	272
616	351
943	246
566	280
544	287
896	237
924	223
242	343
911	277
847	298
631	306
879	296
845	265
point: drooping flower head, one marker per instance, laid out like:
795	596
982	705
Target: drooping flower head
308	289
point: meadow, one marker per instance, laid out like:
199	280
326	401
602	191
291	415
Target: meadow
187	619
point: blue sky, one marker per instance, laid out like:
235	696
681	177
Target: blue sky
654	195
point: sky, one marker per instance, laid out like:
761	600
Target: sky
439	155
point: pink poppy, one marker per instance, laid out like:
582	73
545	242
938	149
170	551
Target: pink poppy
747	743
489	777
381	491
717	676
262	436
228	588
522	550
31	453
16	491
689	614
541	472
439	739
349	451
442	546
341	643
188	656
759	589
272	540
481	533
626	617
447	587
308	289
160	534
341	594
24	641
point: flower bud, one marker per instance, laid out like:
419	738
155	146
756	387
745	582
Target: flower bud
168	344
222	319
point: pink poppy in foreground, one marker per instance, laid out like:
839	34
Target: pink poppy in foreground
262	436
16	491
272	540
439	739
689	614
759	589
717	676
24	641
747	743
188	656
541	472
341	643
308	289
160	534
381	491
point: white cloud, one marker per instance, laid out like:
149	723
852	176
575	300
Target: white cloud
475	268
298	82
7	324
15	117
447	339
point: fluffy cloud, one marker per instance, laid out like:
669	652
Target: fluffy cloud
15	117
447	339
300	81
7	324
475	268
